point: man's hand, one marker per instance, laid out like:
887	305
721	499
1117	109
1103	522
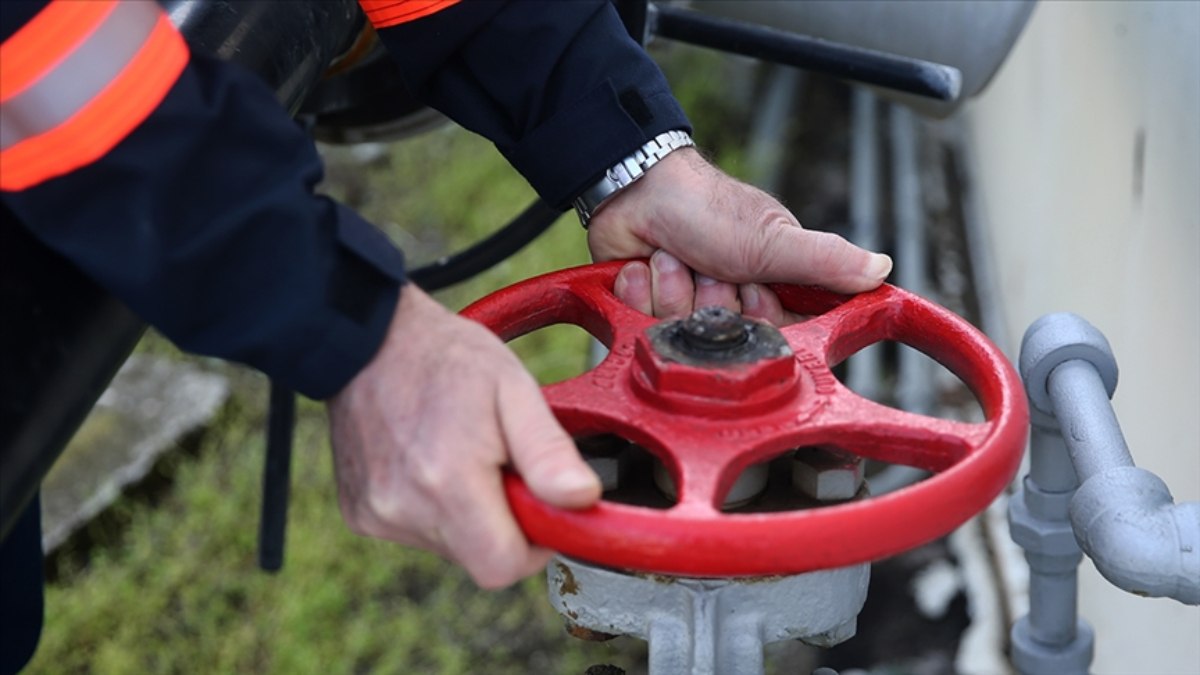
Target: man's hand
421	433
686	213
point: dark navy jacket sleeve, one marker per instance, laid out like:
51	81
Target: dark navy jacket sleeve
557	85
204	221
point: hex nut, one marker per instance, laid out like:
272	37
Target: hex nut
733	382
1034	535
826	474
607	455
608	469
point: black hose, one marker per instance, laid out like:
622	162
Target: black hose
452	269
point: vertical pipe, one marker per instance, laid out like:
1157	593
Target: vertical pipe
1053	584
766	149
1053	599
914	382
1051	637
914	379
865	369
1049	463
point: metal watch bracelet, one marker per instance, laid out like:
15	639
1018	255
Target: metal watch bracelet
626	172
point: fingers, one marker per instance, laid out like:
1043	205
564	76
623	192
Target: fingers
672	288
539	448
632	287
727	229
410	470
481	533
760	302
713	293
485	539
791	254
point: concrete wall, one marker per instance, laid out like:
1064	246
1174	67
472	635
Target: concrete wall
1087	160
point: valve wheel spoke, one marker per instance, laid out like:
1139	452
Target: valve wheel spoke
620	321
705	472
599	391
843	329
896	436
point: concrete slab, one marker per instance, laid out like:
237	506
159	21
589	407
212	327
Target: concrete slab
149	406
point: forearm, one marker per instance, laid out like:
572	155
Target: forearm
559	87
203	220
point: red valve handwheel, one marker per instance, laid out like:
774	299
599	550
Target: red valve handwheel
707	425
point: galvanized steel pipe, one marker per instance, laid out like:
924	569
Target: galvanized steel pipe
1050	638
1089	425
1124	518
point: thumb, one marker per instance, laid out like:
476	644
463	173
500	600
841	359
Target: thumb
792	254
542	452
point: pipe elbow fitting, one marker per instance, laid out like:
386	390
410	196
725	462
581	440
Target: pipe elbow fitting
1053	340
1126	521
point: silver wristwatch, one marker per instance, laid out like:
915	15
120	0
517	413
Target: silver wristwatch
624	173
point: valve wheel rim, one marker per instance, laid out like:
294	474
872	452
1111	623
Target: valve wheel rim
972	463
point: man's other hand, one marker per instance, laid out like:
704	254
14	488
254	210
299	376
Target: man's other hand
714	240
420	436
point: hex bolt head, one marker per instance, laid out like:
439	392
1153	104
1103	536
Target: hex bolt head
607	456
826	474
749	485
609	471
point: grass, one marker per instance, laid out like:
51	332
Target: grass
166	581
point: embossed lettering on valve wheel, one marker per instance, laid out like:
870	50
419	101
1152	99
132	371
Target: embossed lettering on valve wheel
824	383
608	374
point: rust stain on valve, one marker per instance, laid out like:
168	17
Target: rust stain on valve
577	631
567	585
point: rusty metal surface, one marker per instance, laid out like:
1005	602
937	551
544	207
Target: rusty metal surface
708	626
706	425
715	337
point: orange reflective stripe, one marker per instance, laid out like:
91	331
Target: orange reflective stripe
46	40
101	122
385	13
